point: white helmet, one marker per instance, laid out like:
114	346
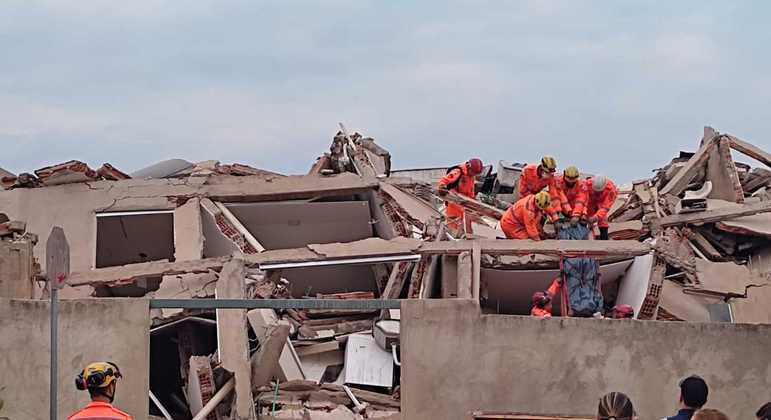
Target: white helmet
599	182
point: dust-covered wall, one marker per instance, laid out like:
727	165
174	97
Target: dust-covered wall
90	330
456	361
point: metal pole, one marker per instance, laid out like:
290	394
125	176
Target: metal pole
54	351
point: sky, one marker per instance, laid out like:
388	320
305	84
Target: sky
612	87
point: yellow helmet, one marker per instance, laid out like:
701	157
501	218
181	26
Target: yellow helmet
549	163
571	173
97	375
542	200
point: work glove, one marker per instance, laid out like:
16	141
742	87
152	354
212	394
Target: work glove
442	191
574	221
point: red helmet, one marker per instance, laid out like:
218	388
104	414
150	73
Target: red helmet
541	299
623	311
475	166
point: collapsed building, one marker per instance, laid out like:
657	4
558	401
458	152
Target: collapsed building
688	244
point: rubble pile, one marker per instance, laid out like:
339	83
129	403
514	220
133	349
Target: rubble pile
682	245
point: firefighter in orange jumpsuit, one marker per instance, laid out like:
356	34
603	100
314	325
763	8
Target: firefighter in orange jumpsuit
523	219
100	379
542	300
599	197
461	179
570	190
535	178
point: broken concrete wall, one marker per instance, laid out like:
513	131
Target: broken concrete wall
455	361
16	269
73	206
89	330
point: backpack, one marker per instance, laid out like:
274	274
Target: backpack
582	277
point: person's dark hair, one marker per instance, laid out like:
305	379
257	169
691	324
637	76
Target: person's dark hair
694	391
615	405
764	413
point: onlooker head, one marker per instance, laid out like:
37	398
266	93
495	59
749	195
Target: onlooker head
693	392
693	396
615	406
764	413
709	414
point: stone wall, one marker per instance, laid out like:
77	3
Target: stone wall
456	361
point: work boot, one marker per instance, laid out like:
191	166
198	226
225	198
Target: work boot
604	234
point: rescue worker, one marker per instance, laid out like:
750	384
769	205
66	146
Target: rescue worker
535	178
570	190
622	311
542	300
100	379
599	195
460	179
522	220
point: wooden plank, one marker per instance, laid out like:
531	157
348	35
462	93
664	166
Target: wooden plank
717	215
474	205
750	150
681	180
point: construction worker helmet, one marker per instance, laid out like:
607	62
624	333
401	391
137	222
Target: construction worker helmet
549	163
475	166
542	200
97	375
541	299
571	174
598	183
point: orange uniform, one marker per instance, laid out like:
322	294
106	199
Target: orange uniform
461	181
570	197
99	410
598	204
523	220
540	312
530	183
544	312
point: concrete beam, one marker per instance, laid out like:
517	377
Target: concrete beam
681	180
717	215
749	150
549	247
233	342
362	249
